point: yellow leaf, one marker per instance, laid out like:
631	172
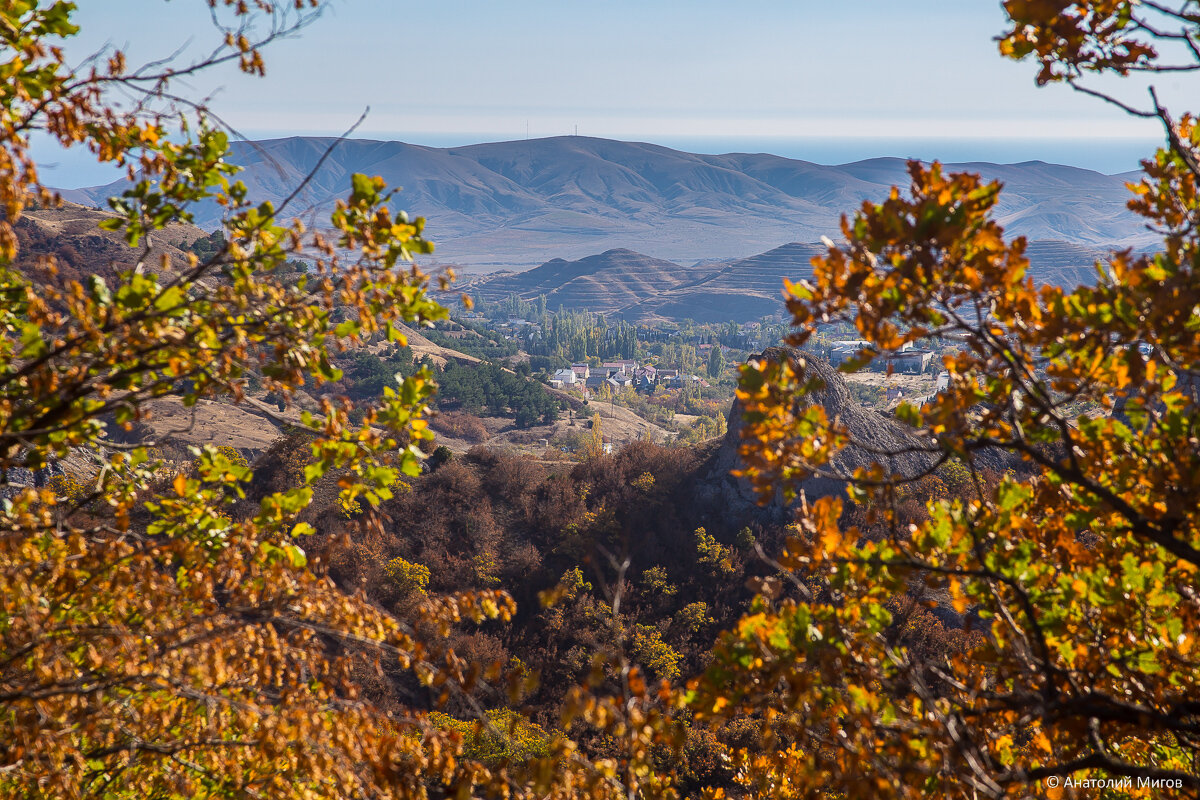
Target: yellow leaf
180	485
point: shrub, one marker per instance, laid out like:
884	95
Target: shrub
506	736
644	482
441	455
745	539
654	654
67	488
693	617
460	425
407	577
713	553
572	583
655	582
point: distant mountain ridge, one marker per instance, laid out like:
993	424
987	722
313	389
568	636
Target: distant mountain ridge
626	284
518	204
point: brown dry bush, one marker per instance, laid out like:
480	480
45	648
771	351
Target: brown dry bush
460	425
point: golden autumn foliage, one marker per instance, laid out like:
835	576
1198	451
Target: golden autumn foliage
593	441
1032	622
156	641
1073	575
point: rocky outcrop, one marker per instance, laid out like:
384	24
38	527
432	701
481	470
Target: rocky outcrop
17	479
871	431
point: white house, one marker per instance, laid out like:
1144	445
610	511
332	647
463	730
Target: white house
563	377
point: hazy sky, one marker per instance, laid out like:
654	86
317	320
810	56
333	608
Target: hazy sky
778	73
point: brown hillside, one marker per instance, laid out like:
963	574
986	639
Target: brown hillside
422	347
72	235
743	290
615	281
636	287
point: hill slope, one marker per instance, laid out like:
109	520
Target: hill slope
517	204
633	286
72	234
613	282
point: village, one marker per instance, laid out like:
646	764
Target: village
613	376
595	357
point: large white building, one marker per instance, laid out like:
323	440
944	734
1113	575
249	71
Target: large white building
563	377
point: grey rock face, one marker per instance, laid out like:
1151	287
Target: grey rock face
871	431
18	479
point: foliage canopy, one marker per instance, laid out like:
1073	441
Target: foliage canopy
1078	568
156	640
151	642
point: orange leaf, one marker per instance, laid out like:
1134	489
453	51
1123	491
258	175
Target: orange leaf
831	540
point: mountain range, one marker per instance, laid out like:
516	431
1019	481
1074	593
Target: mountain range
518	204
629	285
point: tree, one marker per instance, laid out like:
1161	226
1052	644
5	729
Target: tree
157	640
152	643
593	443
159	635
716	362
1069	567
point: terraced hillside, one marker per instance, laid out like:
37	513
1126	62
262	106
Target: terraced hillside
637	287
742	290
613	282
1063	263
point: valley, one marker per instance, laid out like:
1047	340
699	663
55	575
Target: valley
344	467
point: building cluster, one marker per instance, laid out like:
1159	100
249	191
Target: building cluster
908	359
511	327
617	375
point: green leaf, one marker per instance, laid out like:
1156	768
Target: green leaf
365	189
908	414
857	361
32	343
99	290
170	299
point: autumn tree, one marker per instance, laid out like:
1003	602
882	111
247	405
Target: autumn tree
593	441
153	643
1071	563
157	637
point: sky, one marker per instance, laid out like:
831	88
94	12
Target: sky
827	81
